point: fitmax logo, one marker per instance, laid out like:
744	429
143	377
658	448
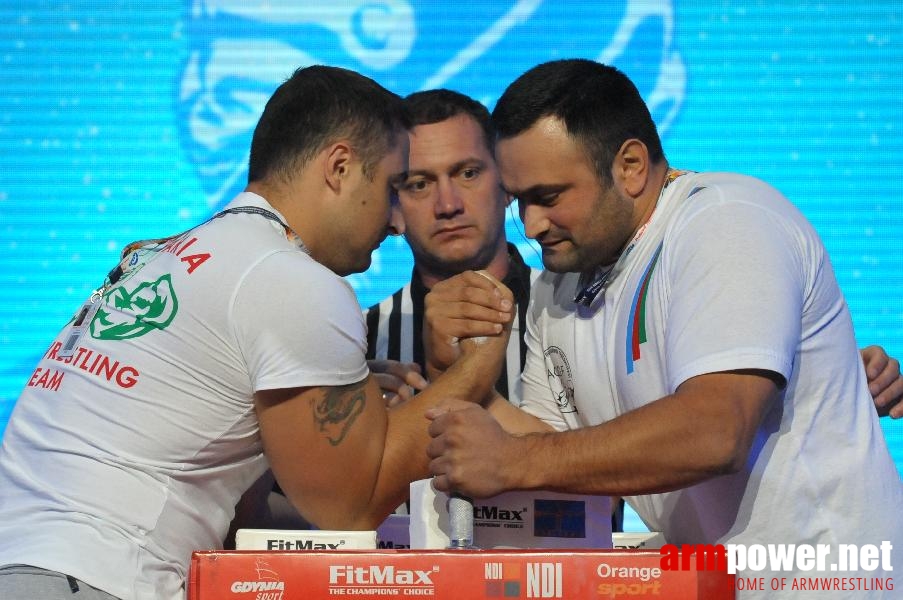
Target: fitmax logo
302	545
494	513
387	544
377	575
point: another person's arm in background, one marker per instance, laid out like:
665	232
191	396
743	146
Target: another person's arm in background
885	382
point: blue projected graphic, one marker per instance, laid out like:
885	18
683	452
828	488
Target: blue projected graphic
122	121
238	52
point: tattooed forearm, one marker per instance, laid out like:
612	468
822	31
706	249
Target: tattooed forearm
338	409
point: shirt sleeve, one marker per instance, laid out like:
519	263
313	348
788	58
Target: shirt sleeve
737	287
539	399
298	324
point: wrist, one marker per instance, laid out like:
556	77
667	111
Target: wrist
474	375
528	474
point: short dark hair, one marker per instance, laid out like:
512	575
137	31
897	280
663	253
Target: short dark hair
435	106
316	106
599	105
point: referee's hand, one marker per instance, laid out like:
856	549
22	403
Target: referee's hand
399	381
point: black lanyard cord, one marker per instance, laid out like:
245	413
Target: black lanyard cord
116	272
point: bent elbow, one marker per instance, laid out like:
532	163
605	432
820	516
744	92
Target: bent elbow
729	456
728	453
732	464
344	523
345	517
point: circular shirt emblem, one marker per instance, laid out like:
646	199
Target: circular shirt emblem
560	381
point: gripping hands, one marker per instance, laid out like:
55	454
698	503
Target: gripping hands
470	313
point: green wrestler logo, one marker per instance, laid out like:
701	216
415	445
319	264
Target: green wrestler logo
127	314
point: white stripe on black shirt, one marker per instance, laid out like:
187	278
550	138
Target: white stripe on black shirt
395	325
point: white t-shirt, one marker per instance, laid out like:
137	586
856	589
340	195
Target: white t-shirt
727	275
120	461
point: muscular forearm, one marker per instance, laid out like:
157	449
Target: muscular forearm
469	380
615	458
513	419
672	443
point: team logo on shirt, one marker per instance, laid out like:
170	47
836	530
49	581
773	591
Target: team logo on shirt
130	311
561	381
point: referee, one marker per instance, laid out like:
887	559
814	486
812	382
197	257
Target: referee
454	213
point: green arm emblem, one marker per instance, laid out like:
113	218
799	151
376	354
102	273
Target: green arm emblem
129	314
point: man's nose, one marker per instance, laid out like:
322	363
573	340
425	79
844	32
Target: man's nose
396	220
448	199
534	220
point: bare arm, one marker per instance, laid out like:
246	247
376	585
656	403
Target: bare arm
511	418
343	459
310	433
704	429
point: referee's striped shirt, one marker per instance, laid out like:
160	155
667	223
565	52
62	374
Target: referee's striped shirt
395	325
395	331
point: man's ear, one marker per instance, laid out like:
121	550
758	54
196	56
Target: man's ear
631	167
338	157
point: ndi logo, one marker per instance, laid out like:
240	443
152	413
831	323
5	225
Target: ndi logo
502	579
543	580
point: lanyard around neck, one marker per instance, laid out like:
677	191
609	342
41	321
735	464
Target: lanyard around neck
589	286
157	244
